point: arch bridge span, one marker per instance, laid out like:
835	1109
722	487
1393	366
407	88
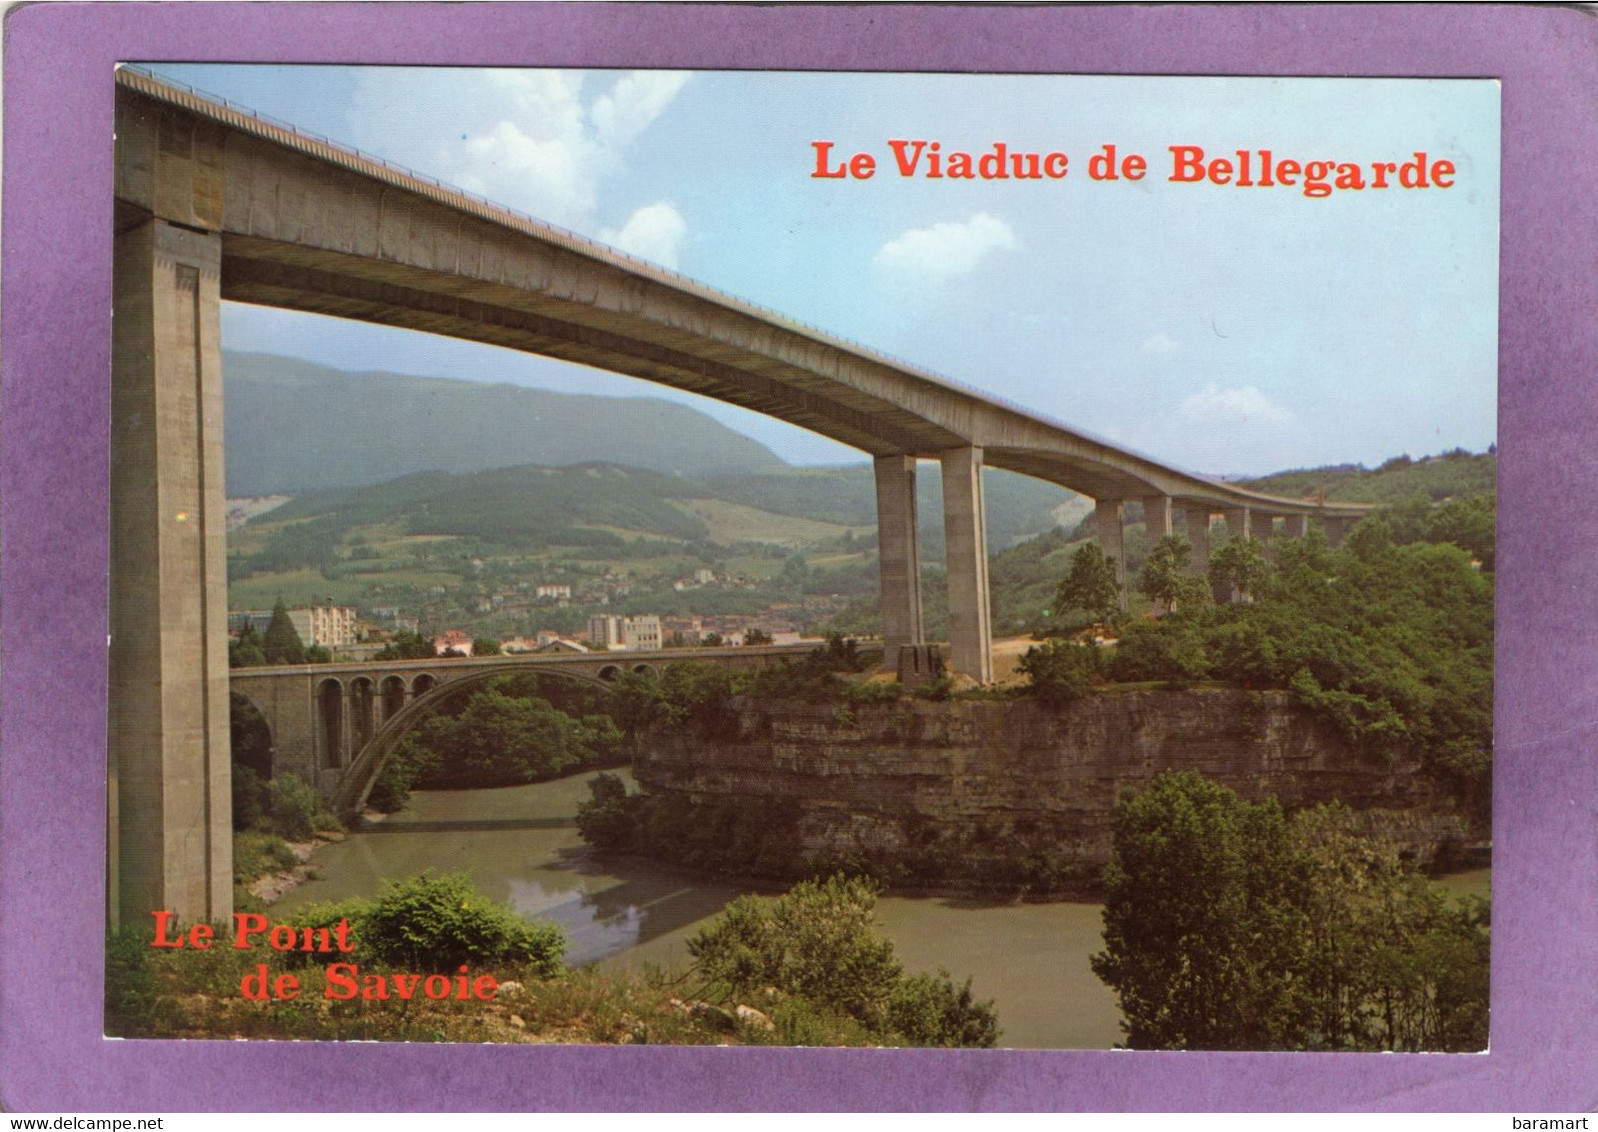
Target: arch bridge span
213	202
335	724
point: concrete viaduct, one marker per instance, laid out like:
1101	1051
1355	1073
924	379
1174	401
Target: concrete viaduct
335	724
214	202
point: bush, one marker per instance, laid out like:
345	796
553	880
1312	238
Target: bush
609	819
816	944
257	854
929	1010
297	810
438	923
1169	650
408	763
1060	671
252	797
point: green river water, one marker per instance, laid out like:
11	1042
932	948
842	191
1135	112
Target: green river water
519	844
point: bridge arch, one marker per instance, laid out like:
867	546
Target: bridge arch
609	673
330	741
349	796
391	697
252	740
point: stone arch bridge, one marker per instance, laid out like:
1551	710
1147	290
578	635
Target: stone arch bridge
335	724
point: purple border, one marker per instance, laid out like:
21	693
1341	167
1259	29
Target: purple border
57	227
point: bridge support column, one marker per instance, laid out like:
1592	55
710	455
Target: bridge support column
965	533
1107	514
1158	517
170	788
1336	529
898	557
1295	526
1198	533
1264	531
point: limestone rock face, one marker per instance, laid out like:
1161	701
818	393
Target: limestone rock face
867	777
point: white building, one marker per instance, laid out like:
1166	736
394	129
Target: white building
626	634
327	625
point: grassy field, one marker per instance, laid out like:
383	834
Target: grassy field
735	522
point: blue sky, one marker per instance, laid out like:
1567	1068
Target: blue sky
1222	329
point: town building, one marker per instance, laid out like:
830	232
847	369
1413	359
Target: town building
330	626
626	634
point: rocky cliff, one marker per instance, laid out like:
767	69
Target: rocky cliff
966	781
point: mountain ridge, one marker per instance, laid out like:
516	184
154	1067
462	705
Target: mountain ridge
295	426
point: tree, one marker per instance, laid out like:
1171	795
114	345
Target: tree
282	644
485	646
406	645
1060	671
1090	585
246	651
1238	568
1227	926
1197	943
1165	571
757	637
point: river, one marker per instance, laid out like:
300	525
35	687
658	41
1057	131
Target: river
519	844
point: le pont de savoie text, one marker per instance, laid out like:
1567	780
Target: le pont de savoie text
344	980
1181	164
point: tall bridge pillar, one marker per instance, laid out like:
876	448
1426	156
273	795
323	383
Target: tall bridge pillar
898	556
965	533
1198	533
1295	526
1336	529
1158	517
1107	515
1239	522
170	796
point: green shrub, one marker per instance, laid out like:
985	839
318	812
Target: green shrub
1167	650
297	810
408	763
1060	671
815	947
608	819
257	854
252	797
437	923
929	1010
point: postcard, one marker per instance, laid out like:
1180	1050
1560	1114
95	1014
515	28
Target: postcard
690	550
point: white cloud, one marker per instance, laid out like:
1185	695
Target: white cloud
1234	406
654	232
944	250
1160	345
534	140
632	104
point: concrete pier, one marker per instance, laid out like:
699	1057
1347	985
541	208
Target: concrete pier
1107	517
170	793
1198	533
965	532
898	556
1158	517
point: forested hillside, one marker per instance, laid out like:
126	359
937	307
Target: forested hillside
293	427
